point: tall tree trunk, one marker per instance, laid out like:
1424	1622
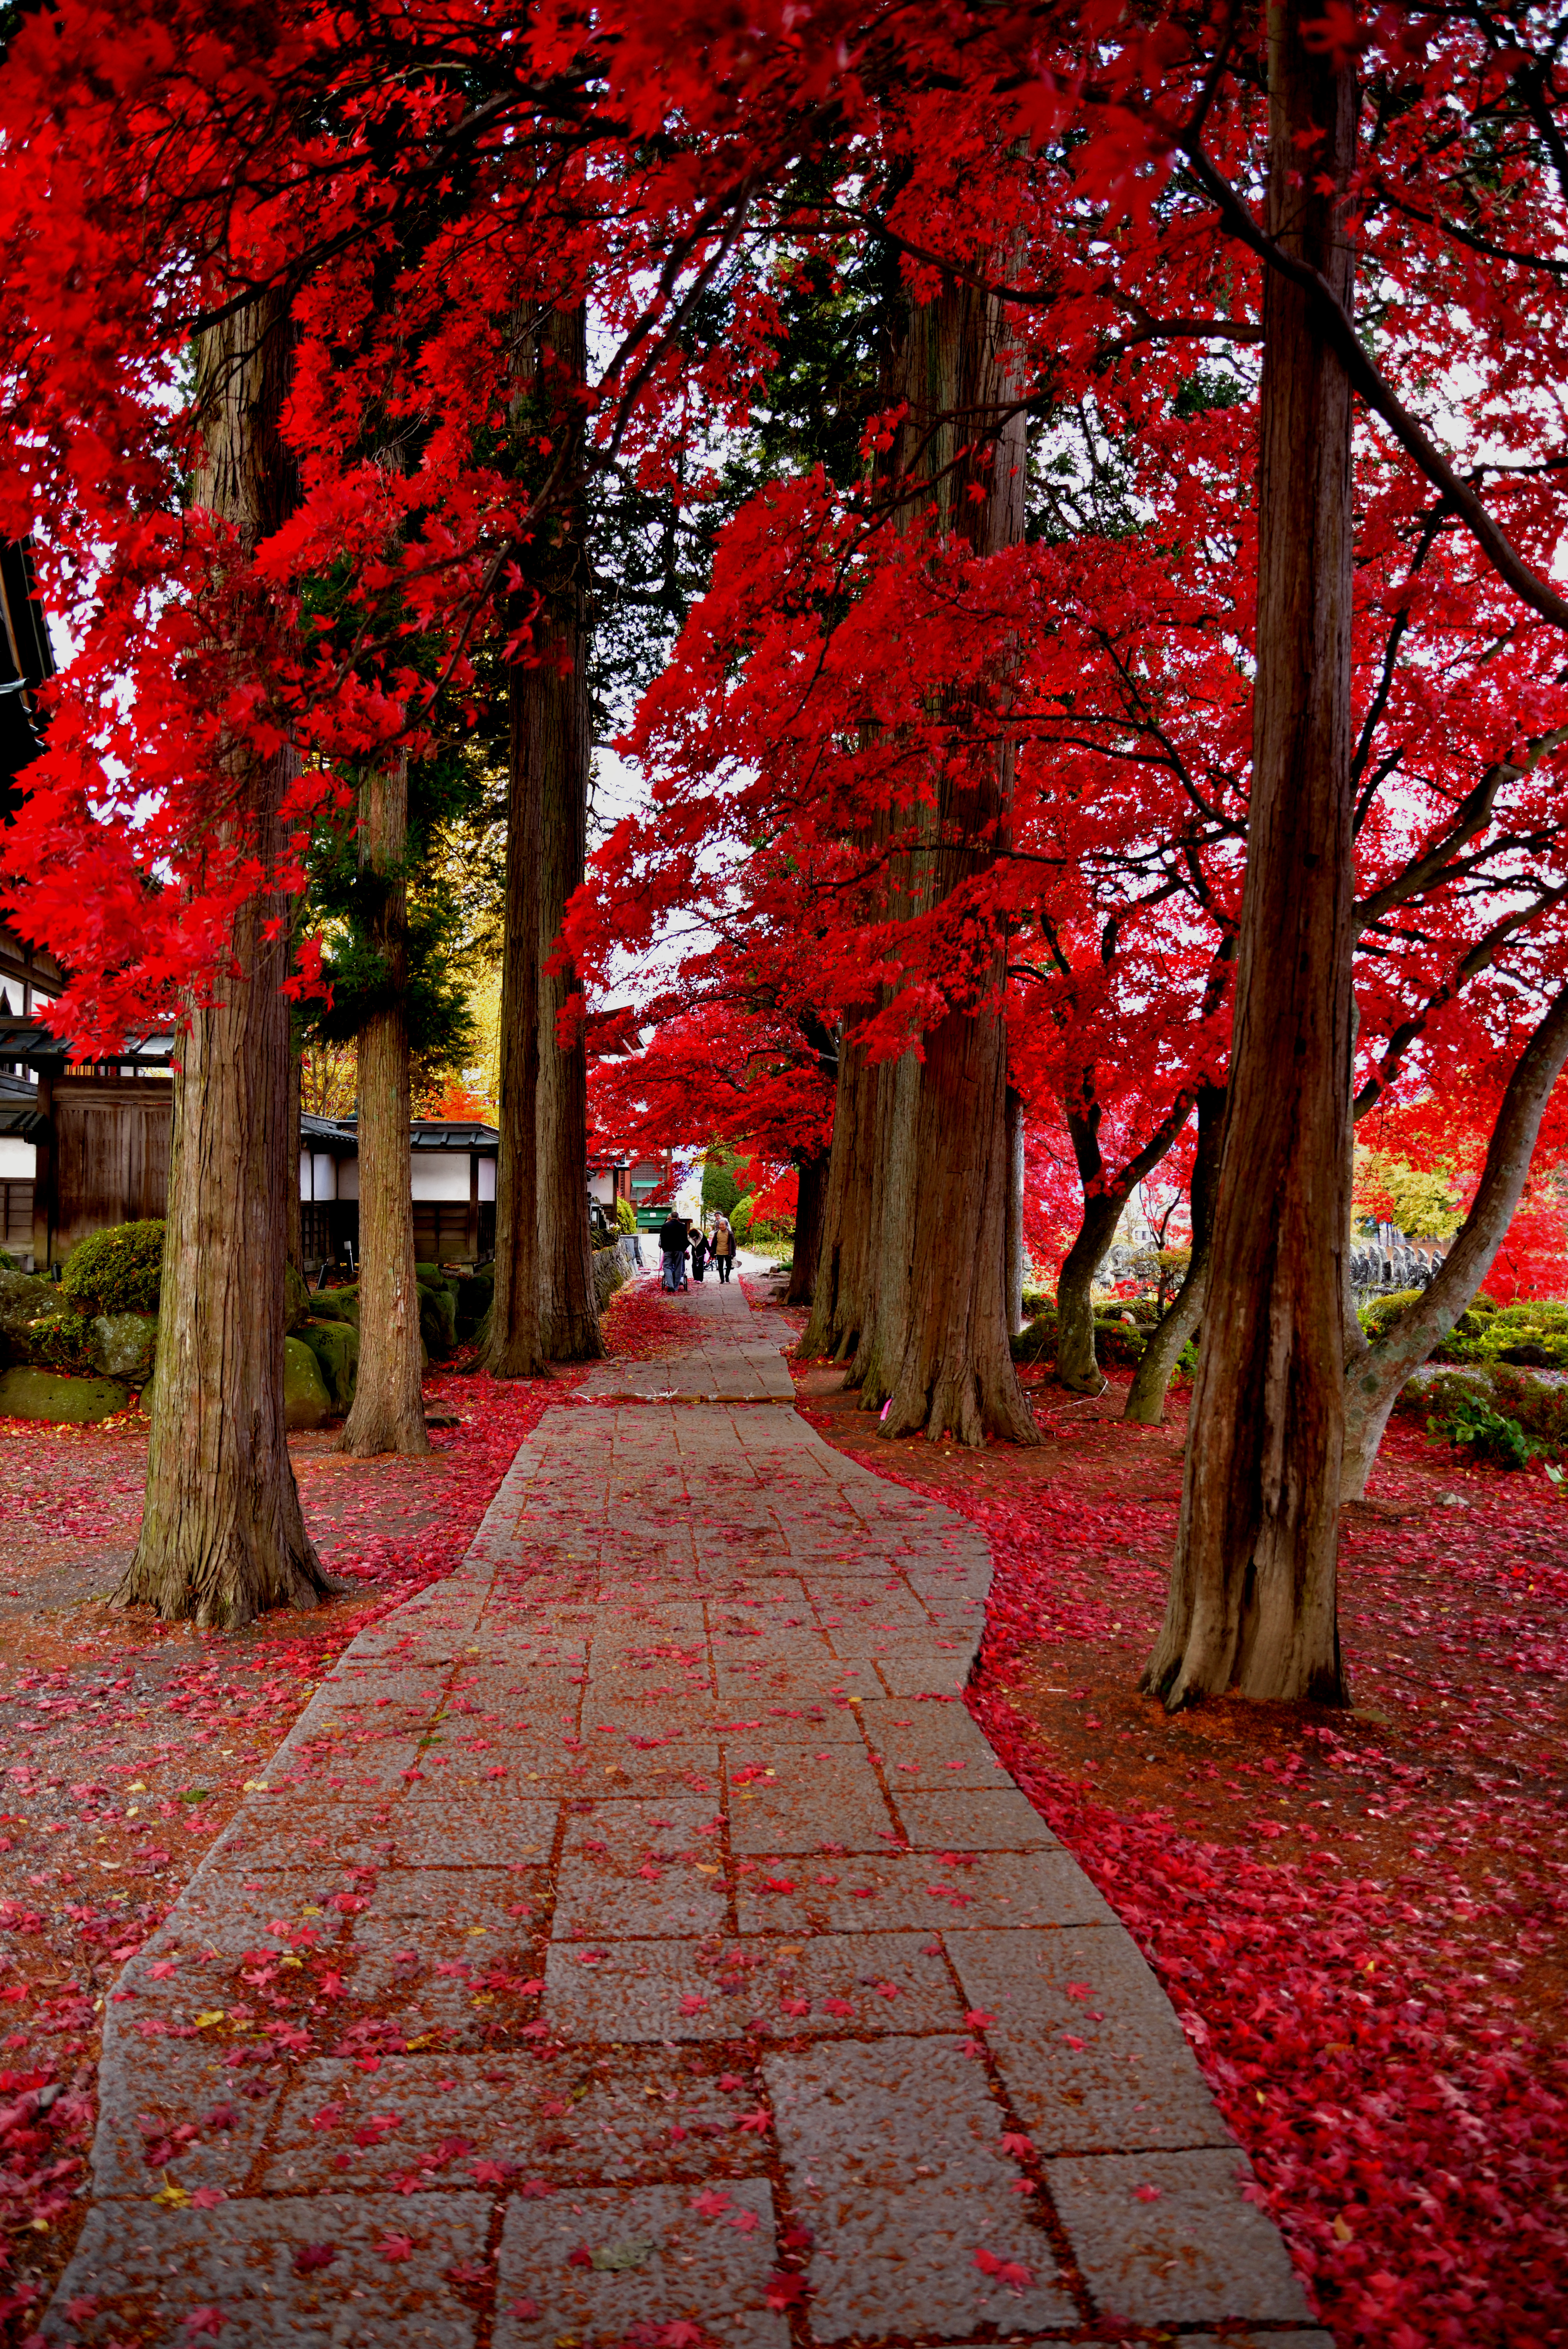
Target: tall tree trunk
1151	1380
1252	1600
293	1237
890	1279
387	1413
938	1352
844	1250
1380	1370
813	1176
1014	1296
513	1349
561	728
222	1537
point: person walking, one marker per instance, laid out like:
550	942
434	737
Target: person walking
722	1246
672	1252
698	1253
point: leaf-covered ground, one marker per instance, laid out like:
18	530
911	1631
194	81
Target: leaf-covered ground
1361	1916
125	1744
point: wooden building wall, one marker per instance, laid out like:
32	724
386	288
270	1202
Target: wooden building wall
111	1151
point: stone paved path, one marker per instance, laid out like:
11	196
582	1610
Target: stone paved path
637	1940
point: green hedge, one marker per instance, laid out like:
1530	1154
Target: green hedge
1532	1334
116	1271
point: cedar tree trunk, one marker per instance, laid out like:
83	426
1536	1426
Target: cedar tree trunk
222	1537
1380	1370
387	1413
939	1353
1014	1296
561	731
844	1252
1252	1601
294	1218
1151	1380
513	1349
813	1177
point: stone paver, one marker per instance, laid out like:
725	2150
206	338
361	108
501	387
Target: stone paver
636	1938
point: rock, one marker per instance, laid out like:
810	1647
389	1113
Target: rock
438	1319
335	1345
296	1299
430	1276
22	1301
306	1400
334	1305
28	1394
123	1345
474	1290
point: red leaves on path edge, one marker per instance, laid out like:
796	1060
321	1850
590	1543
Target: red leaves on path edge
1350	1996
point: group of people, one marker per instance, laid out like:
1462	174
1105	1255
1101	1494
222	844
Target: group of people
678	1240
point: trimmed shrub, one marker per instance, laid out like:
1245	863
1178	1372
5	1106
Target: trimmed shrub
1377	1317
116	1271
625	1215
740	1217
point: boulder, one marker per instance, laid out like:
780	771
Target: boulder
335	1345
306	1400
430	1276
438	1319
475	1291
28	1394
332	1305
345	1305
123	1345
22	1301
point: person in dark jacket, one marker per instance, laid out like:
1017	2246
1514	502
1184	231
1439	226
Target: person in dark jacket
698	1253
672	1252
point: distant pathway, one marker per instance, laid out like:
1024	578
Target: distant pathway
636	1941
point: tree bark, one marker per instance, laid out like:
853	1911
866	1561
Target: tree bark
1380	1370
222	1537
937	1352
1252	1600
1077	1366
1151	1380
513	1349
387	1413
813	1176
561	728
844	1250
293	1237
1014	1296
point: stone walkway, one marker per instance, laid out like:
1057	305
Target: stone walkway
636	1941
